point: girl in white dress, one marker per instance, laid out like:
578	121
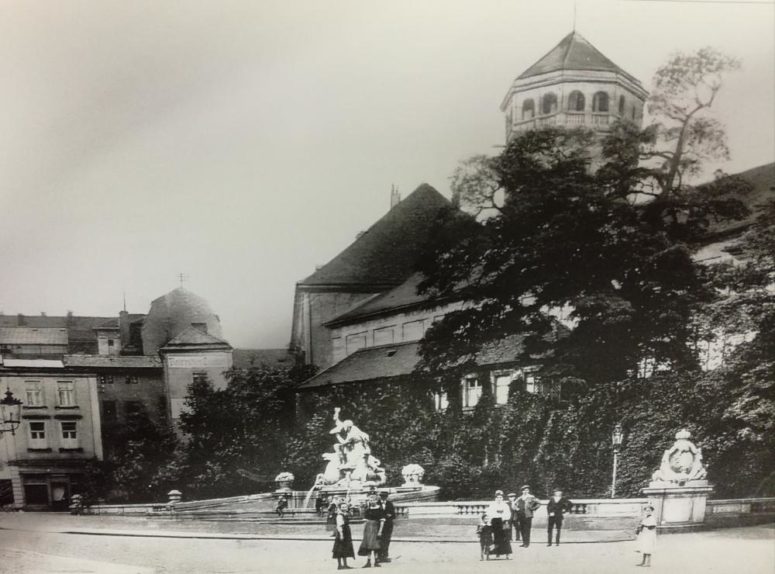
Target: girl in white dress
647	535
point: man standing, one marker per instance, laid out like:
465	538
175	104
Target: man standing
557	507
387	528
527	504
513	521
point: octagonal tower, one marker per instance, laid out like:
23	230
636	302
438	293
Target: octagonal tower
574	85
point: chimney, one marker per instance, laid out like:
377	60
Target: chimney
21	320
395	197
42	313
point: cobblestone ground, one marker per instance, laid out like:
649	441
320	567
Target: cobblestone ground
733	551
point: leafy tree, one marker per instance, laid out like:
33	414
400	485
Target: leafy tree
226	432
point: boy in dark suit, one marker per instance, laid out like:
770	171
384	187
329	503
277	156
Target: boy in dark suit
557	507
387	528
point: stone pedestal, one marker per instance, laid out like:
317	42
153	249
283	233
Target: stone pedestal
679	505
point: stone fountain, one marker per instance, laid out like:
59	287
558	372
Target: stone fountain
352	472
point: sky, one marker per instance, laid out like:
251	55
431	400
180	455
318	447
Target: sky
242	143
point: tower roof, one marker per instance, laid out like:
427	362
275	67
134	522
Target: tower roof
574	52
386	253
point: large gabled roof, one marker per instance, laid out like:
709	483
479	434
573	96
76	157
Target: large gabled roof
574	52
385	255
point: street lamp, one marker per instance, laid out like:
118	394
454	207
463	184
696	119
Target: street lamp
10	412
617	436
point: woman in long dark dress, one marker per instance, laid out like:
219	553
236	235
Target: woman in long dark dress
343	544
500	514
372	529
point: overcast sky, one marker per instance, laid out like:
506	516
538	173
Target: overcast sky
244	142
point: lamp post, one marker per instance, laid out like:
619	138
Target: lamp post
617	436
10	413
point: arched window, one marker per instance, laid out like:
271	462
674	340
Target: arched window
549	104
528	109
621	105
600	102
576	101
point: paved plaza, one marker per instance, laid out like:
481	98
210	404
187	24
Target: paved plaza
40	543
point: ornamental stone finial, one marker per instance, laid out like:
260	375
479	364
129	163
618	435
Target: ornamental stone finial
681	463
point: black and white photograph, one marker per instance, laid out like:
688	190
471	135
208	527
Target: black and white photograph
429	286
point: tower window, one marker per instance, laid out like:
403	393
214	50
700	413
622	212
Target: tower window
621	105
600	102
528	109
576	101
549	103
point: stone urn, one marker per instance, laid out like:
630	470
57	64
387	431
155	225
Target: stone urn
284	480
413	475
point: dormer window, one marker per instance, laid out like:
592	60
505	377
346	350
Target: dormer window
600	102
549	103
200	327
576	101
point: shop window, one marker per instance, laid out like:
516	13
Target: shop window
109	412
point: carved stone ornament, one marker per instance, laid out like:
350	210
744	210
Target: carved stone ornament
413	474
681	463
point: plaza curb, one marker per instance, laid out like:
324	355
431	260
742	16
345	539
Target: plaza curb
207	536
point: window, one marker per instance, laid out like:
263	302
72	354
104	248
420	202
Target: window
130	380
532	384
501	383
109	413
66	394
621	105
200	377
133	408
633	112
110	342
472	391
576	101
38	434
440	400
69	434
106	379
549	103
200	326
600	102
34	393
528	109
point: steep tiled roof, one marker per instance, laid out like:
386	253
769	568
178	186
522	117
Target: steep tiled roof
404	295
400	360
372	363
193	338
33	336
112	361
274	358
387	252
573	52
